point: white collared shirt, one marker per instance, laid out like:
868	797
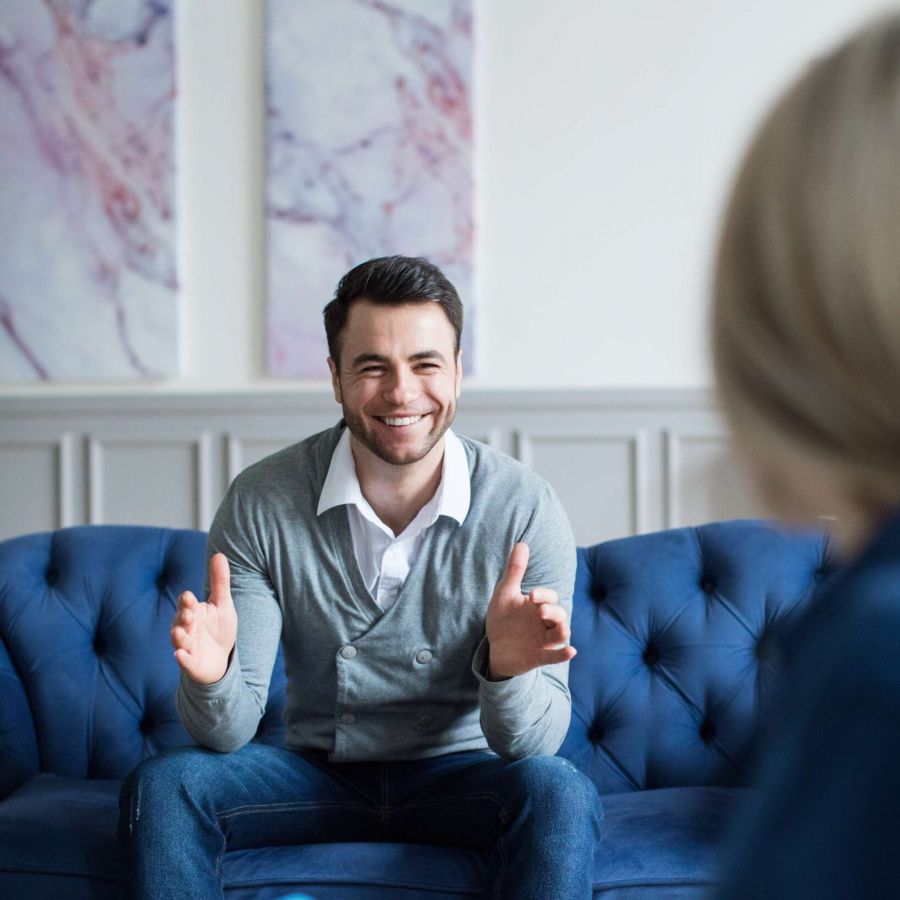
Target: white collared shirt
384	559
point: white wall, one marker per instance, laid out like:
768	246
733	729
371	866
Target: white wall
607	133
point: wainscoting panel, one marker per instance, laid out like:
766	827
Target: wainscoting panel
149	481
622	462
706	483
37	484
598	476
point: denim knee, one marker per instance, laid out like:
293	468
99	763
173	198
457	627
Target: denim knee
158	783
554	783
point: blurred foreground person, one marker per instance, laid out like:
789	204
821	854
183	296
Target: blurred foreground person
806	340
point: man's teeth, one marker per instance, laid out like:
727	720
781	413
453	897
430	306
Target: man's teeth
406	420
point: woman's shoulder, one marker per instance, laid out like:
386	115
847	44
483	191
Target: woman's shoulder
854	638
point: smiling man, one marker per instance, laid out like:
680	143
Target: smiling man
420	584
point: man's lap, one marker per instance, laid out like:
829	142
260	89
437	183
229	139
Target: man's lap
265	796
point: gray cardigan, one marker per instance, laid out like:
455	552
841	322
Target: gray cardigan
364	684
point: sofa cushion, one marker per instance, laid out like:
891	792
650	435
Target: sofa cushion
355	870
658	844
64	829
664	843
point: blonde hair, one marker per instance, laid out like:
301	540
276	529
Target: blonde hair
806	295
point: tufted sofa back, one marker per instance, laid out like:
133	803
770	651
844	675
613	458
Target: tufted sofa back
676	633
87	675
677	637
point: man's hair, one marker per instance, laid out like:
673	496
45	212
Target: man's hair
391	280
806	295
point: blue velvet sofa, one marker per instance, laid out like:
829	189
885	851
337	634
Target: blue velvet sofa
677	635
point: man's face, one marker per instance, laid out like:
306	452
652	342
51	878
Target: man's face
398	379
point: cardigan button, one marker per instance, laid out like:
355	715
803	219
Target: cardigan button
423	657
348	652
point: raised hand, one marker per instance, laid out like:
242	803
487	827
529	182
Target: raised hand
203	634
524	632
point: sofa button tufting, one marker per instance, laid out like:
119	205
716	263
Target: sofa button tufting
595	735
146	726
162	584
51	576
707	731
767	651
708	586
651	656
99	645
598	593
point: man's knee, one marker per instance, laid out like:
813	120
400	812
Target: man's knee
555	784
161	781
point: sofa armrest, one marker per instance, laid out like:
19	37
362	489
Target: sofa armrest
18	742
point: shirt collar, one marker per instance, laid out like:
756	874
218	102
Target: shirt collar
456	485
342	488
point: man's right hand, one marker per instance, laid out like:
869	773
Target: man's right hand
203	634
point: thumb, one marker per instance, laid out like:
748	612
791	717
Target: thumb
515	568
219	578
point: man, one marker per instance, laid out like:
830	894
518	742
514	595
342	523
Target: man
420	584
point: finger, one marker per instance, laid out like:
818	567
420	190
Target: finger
551	657
186	600
555	635
551	617
186	617
183	657
550	614
219	579
180	611
515	567
181	640
543	595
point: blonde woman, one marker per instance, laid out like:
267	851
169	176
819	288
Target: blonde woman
806	339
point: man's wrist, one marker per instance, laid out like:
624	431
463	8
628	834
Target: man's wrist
489	673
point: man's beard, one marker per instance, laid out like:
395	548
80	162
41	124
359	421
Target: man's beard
397	456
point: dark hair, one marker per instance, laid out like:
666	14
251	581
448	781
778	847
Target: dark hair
391	280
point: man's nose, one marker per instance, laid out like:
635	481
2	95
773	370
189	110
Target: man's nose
401	387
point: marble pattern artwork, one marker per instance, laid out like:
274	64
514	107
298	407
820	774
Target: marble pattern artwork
369	154
88	283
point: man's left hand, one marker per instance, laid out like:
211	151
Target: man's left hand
524	631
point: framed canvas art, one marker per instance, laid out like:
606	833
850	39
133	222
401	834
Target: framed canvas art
369	154
88	283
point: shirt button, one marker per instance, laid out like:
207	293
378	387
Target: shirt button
348	652
347	718
423	656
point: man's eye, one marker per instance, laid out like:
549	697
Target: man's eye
428	365
371	370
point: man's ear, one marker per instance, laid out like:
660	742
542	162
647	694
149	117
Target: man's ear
335	379
459	373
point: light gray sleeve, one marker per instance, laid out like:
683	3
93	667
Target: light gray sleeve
224	716
528	715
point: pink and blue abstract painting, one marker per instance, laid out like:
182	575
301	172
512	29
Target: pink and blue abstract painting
88	283
369	154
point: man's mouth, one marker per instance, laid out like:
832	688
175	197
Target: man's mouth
398	421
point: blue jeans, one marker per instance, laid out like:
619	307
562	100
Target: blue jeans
537	818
